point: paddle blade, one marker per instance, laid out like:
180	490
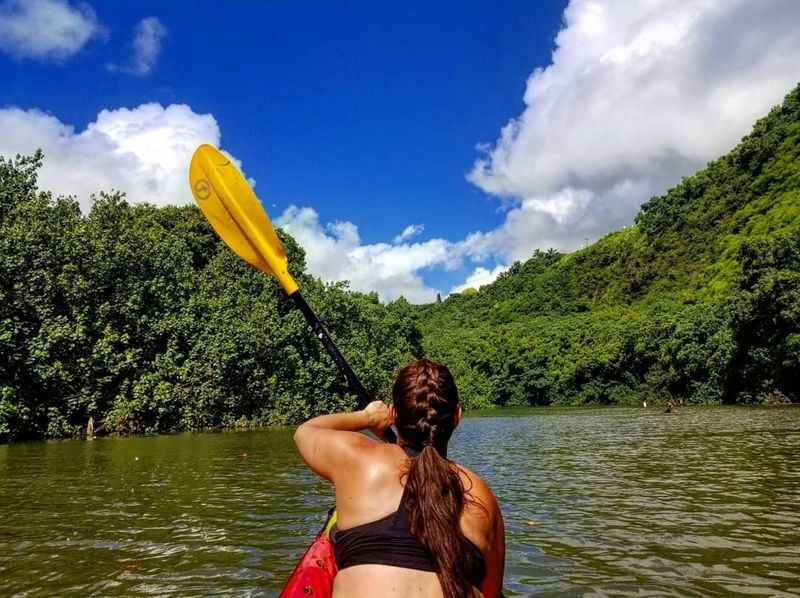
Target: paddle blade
236	214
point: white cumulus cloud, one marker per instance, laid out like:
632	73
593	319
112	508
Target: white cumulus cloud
480	277
412	230
335	252
46	29
638	95
148	36
143	151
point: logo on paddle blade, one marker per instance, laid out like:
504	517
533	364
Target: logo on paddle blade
202	189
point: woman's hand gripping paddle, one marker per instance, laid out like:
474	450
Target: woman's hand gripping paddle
237	216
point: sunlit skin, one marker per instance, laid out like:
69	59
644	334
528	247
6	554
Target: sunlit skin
368	479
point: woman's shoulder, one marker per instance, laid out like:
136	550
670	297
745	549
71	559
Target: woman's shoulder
481	502
475	485
481	510
371	460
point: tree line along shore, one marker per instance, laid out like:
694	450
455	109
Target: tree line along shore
139	319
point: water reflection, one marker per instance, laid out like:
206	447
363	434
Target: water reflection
605	502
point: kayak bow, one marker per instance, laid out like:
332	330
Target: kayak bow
313	575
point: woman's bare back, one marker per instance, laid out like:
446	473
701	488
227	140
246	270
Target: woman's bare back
372	488
369	478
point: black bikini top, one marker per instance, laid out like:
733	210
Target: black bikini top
388	541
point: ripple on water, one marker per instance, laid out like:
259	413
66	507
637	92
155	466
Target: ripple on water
600	502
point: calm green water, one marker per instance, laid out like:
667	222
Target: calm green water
604	502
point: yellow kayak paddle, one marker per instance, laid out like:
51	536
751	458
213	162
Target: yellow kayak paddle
237	216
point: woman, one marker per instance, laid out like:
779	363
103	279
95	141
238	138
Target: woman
411	522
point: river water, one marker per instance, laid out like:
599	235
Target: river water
597	502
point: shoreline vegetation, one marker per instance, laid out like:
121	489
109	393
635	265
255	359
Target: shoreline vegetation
488	412
140	320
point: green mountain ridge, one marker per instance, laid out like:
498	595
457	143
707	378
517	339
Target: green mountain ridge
655	310
140	319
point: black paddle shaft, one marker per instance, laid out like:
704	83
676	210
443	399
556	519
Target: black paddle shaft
352	380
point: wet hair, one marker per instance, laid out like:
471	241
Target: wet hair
426	405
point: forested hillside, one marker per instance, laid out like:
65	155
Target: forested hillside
699	300
142	319
139	317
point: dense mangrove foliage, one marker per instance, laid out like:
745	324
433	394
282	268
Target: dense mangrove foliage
142	320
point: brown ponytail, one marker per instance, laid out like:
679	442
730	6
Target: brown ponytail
426	403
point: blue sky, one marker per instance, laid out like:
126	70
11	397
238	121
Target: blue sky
358	119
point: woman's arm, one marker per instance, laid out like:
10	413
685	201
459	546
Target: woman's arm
482	523
328	443
492	586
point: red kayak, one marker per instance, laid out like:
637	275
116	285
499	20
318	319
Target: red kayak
314	574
